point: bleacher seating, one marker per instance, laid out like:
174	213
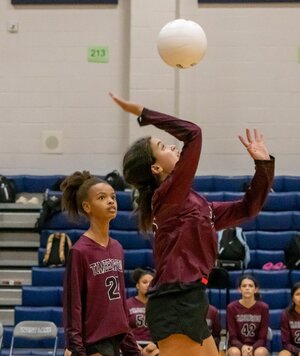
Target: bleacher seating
267	235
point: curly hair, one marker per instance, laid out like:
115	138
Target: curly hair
75	190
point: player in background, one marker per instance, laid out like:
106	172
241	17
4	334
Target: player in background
290	325
95	315
136	307
213	323
247	321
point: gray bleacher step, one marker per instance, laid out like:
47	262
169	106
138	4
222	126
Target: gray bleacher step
18	258
8	276
10	296
7	316
19	239
18	220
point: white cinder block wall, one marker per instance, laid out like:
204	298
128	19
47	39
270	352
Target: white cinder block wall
250	77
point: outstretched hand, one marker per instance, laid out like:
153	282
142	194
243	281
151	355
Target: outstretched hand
255	145
128	106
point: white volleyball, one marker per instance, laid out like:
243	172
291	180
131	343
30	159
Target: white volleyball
182	43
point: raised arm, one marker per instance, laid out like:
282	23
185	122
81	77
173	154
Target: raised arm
187	132
255	145
128	106
233	213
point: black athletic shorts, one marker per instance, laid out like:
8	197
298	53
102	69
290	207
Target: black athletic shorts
106	347
178	309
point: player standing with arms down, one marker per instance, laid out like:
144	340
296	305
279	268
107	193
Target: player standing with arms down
95	316
184	224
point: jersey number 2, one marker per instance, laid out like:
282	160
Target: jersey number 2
113	287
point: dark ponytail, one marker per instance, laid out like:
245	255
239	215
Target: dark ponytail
137	172
75	190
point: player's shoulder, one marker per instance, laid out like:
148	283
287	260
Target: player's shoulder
233	304
115	244
262	305
81	243
212	308
130	301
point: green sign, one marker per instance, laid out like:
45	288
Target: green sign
98	54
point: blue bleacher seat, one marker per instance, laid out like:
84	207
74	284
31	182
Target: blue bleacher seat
275	221
274	318
62	221
296	220
57	315
276	298
265	256
249	225
283	201
251	239
125	220
18	182
276	344
32	313
252	262
204	183
138	258
41	296
44	276
218	297
273	240
295	277
34	183
129	282
231	183
54	314
297	195
124	200
38	184
278	184
272	279
131	239
128	239
291	183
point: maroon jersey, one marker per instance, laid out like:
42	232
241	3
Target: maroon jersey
184	222
137	320
213	322
290	331
94	295
247	326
